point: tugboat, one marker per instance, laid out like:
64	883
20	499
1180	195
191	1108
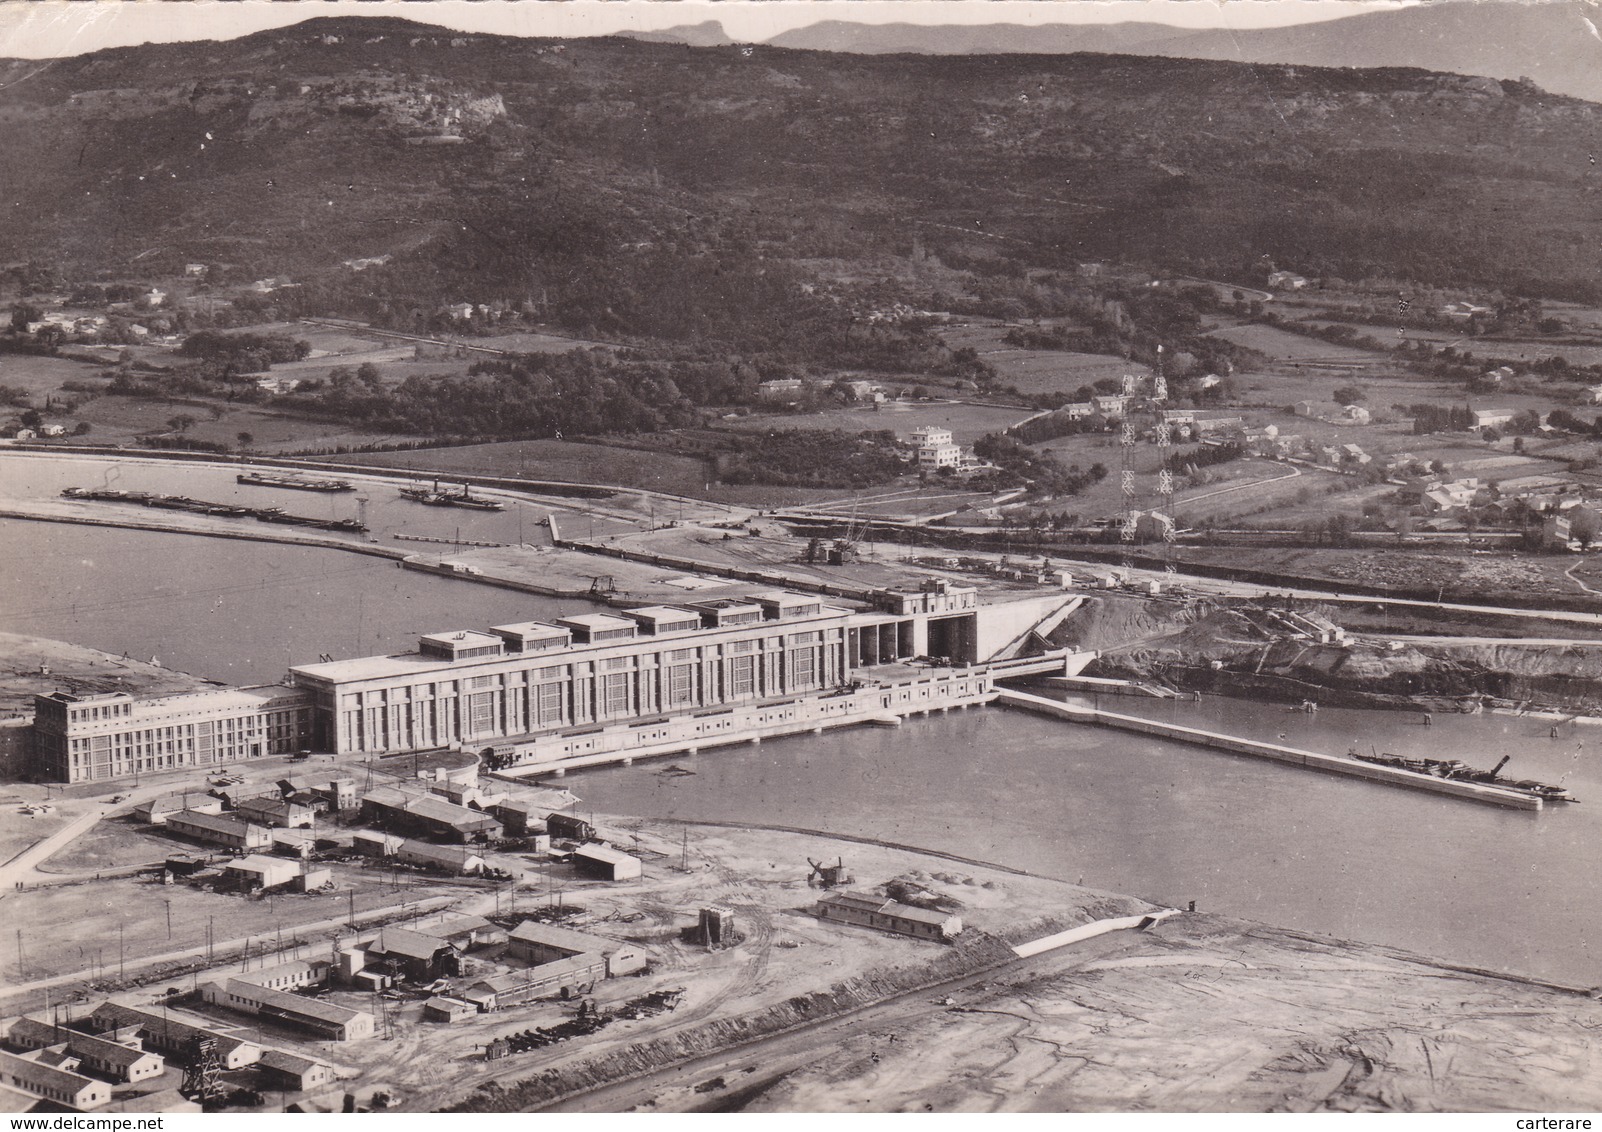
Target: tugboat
434	497
299	483
1458	771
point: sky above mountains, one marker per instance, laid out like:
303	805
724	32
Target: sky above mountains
54	28
1556	44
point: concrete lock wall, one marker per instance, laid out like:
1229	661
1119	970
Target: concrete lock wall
1002	629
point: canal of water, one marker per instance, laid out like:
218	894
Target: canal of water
1465	882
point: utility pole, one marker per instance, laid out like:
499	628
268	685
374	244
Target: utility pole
168	903
121	969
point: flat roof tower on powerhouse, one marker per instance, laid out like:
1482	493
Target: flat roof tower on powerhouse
475	688
479	689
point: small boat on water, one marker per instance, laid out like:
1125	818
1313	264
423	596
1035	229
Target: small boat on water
298	483
434	497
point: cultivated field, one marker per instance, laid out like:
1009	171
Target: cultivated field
1284	346
563	460
1034	372
41	377
967	422
122	420
1525	350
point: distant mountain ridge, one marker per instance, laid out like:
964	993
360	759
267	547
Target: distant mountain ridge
707	33
1555	44
656	189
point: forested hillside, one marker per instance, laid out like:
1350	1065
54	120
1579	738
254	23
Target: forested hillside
655	190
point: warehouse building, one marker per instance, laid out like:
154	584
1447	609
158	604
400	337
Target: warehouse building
158	810
64	1087
221	829
564	978
427	815
174	1034
888	915
414	955
537	943
325	1020
456	860
290	976
370	843
116	1062
606	863
28	1034
276	812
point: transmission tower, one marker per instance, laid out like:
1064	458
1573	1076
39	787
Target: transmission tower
1126	463
1165	474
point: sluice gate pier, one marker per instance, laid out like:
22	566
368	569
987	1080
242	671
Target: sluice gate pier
1312	760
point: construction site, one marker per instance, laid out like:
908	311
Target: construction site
323	926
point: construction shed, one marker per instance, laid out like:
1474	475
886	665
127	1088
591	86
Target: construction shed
313	879
537	943
419	957
157	810
457	860
279	813
326	1020
468	932
443	1008
220	829
31	1033
47	1082
117	1062
569	827
522	817
564	978
606	863
428	815
293	975
370	843
293	1073
888	915
258	873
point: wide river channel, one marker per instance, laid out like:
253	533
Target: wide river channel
1464	882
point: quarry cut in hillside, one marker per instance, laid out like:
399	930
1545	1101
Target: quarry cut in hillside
1228	647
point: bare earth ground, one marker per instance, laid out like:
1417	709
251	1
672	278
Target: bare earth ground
1196	1014
75	668
1460	575
1214	1015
